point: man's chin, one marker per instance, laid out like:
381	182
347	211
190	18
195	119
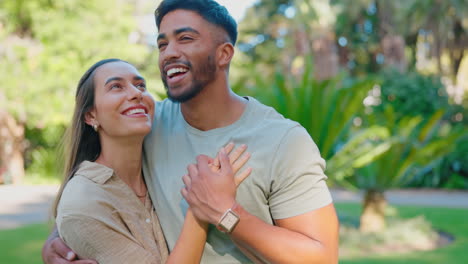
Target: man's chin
185	96
179	98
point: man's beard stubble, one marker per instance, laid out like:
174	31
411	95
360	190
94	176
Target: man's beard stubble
202	76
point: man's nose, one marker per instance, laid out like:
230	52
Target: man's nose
172	51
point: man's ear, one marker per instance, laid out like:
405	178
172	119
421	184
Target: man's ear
90	117
224	54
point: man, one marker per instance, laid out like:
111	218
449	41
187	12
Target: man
283	212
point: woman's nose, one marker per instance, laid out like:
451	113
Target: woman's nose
135	93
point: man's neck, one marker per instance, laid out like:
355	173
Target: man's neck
213	108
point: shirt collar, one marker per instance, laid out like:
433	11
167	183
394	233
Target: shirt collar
96	172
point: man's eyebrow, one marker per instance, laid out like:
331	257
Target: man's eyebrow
178	31
161	36
185	29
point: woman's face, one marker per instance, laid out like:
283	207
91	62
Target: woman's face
123	106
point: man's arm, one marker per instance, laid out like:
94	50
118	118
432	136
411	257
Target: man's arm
306	225
55	251
308	238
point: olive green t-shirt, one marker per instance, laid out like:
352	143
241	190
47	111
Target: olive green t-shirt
287	179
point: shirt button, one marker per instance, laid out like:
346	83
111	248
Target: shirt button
148	220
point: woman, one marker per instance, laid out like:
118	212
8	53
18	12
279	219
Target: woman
104	211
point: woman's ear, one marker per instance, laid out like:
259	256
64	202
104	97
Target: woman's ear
90	117
225	52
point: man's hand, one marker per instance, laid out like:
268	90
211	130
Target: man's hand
56	252
211	192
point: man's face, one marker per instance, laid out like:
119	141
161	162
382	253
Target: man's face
187	53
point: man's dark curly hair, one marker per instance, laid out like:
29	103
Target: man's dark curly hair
210	10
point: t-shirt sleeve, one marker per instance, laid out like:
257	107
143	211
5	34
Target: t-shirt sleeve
298	180
92	239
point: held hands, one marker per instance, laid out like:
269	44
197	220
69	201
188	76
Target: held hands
210	185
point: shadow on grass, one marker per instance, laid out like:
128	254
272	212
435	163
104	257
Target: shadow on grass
448	220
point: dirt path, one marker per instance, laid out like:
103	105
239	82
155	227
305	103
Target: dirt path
22	205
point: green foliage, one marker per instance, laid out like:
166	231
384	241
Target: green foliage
45	166
43	155
362	148
326	110
270	17
411	94
357	26
59	40
46	47
420	96
417	144
451	172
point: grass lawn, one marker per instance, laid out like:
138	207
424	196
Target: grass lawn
453	221
23	245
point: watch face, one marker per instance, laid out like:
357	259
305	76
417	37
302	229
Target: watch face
229	221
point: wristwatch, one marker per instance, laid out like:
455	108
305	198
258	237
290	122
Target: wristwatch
228	221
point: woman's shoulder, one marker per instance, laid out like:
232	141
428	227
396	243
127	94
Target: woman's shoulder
86	192
94	171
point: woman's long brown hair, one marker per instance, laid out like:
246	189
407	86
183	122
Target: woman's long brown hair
81	142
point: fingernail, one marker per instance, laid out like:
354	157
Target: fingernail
70	255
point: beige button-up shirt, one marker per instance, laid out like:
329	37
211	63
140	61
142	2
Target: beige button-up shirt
101	218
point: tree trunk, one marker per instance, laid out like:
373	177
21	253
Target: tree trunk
325	55
11	149
373	214
391	41
393	47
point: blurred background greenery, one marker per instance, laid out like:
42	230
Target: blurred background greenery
380	85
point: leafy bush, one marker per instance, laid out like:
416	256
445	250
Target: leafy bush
411	94
43	159
417	146
451	172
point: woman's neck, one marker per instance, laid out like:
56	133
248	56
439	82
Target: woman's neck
124	156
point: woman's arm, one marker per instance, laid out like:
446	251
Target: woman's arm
189	246
191	242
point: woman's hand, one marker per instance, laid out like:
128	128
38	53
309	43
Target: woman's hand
210	189
237	161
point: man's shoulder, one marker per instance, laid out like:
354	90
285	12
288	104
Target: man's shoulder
268	117
166	109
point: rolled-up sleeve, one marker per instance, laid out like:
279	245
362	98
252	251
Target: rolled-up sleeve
298	184
93	239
